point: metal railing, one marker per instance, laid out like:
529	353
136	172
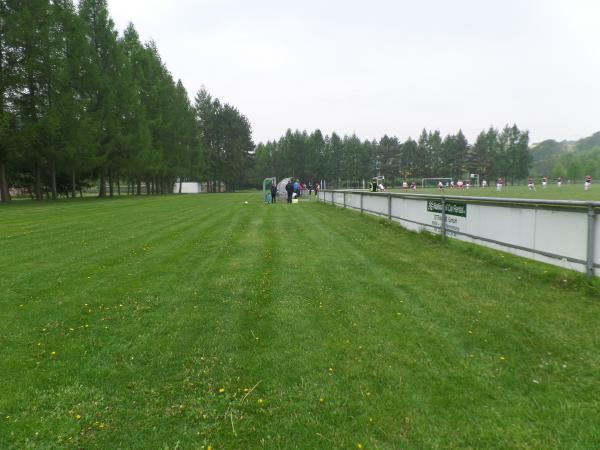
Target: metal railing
589	263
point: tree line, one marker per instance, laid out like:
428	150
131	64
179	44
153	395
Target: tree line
575	166
81	104
348	160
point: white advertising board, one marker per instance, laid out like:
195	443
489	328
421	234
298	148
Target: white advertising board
556	236
597	246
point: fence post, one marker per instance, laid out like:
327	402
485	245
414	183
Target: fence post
443	227
390	207
590	241
361	202
344	199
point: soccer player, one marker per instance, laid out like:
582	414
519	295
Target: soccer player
559	182
452	184
530	184
413	186
544	182
405	185
484	184
440	186
459	184
588	182
499	184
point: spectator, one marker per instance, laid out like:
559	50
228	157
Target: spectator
273	193
289	188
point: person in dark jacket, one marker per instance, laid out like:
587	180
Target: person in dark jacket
273	193
289	188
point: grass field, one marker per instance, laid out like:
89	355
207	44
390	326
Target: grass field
566	192
205	322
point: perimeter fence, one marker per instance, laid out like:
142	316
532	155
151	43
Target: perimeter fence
559	232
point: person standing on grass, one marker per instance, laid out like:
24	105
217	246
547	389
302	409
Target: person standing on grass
499	184
544	182
273	193
559	182
588	182
530	184
317	189
297	188
309	188
289	188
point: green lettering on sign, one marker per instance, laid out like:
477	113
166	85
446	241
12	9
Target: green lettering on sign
452	208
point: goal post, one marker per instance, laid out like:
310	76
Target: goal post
433	182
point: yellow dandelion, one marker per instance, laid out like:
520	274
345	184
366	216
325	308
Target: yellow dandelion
221	390
260	401
359	445
321	400
502	358
78	417
52	354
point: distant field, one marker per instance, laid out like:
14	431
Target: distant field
566	192
205	322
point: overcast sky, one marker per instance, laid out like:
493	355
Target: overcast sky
376	67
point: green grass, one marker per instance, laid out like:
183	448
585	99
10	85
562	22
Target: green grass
189	322
566	192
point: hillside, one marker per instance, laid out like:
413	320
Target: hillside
547	153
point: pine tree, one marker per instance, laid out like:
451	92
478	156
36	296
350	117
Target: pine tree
101	75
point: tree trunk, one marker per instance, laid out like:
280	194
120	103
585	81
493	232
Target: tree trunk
38	182
73	183
4	192
102	188
148	187
53	180
180	184
110	183
118	186
139	186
